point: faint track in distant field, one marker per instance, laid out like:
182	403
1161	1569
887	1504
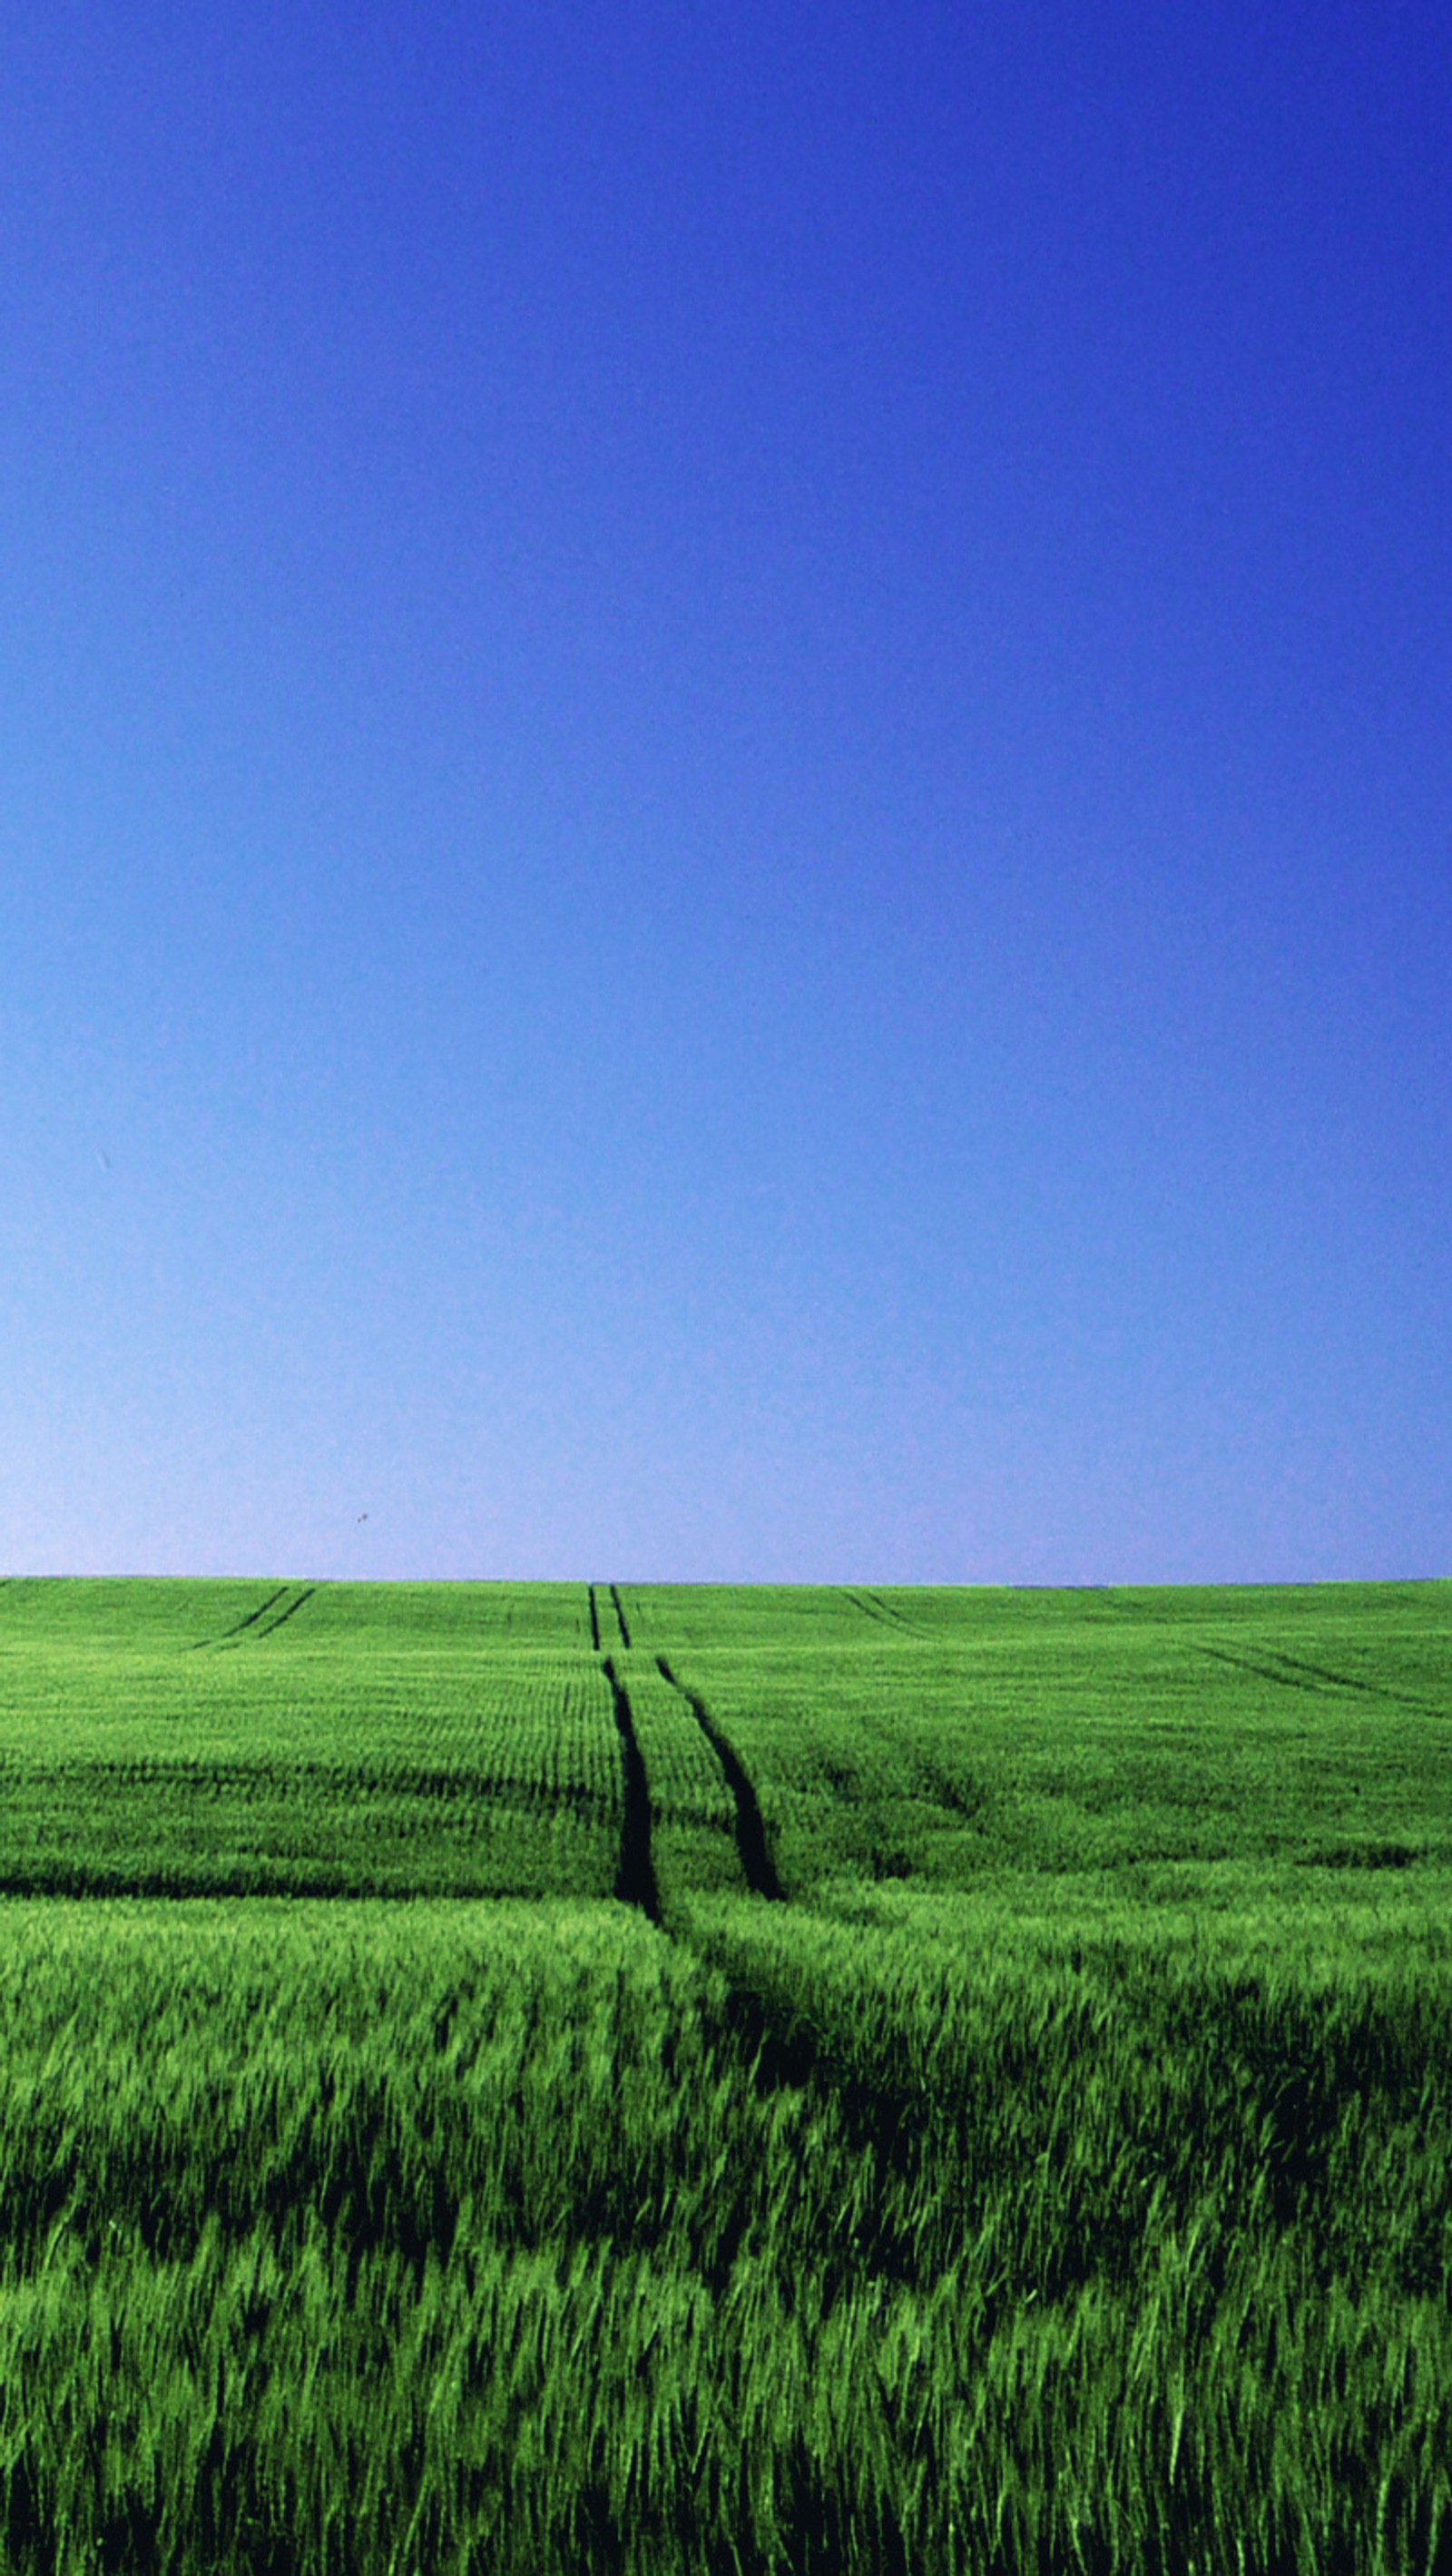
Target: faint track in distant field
757	1865
238	1625
1293	1674
873	1606
290	1612
635	1879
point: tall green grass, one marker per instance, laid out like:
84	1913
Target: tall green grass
1062	2181
524	2238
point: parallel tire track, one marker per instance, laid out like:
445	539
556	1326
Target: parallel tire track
870	1609
1292	1674
757	1865
635	1880
239	1624
290	1612
620	1615
882	1613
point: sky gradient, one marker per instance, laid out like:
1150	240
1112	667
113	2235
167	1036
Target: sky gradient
725	777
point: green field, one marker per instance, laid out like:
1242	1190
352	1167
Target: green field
551	2077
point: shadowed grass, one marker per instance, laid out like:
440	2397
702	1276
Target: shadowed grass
523	2238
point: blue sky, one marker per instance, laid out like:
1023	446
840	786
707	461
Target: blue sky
726	787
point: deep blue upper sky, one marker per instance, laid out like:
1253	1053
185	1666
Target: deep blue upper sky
726	790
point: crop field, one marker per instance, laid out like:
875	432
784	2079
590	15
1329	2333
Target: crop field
351	1740
576	2078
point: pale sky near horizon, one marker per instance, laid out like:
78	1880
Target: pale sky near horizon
726	791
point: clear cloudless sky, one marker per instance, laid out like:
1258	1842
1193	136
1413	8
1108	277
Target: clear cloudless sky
725	780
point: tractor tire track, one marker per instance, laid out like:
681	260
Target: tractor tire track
897	1618
620	1615
239	1624
594	1622
869	1609
635	1879
758	1867
1292	1674
290	1612
880	1612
